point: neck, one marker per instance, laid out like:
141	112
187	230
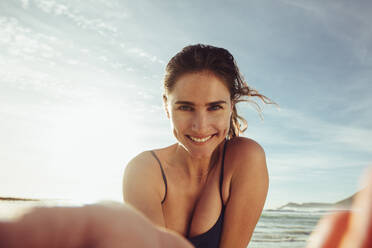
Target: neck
198	168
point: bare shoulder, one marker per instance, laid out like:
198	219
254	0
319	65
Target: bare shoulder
247	161
248	168
244	152
141	165
142	176
245	143
143	187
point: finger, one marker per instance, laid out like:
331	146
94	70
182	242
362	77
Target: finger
329	231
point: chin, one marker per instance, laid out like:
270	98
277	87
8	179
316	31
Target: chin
201	151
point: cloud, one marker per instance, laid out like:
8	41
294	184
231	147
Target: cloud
300	145
305	5
141	53
319	131
348	22
312	163
25	3
78	16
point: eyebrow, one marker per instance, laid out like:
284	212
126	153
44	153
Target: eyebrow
193	104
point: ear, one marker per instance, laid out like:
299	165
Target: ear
165	102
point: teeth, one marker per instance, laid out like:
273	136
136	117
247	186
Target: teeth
200	140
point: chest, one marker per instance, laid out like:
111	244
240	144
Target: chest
193	208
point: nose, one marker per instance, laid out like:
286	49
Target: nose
199	123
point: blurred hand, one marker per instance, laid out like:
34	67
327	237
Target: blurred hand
93	226
348	229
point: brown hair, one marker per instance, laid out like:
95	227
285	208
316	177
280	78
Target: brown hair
219	61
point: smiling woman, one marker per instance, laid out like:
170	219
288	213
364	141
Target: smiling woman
210	187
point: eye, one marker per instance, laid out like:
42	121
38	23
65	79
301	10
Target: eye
215	107
185	108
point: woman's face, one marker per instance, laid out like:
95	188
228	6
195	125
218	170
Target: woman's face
200	108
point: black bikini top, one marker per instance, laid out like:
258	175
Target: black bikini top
210	238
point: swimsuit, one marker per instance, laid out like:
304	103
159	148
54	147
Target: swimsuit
210	238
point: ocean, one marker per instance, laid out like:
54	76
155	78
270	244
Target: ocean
276	228
285	228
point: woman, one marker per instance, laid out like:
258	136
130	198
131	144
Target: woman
215	188
211	185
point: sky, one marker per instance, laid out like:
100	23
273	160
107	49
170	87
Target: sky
81	86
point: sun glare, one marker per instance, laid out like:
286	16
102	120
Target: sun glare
90	147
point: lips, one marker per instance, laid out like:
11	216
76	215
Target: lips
200	139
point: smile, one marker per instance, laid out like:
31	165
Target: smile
200	140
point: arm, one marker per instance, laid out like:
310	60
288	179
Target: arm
143	187
93	226
248	190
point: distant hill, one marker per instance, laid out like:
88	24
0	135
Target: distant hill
307	205
17	199
343	204
346	203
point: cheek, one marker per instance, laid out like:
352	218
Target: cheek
178	122
223	120
222	124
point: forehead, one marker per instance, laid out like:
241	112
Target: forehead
199	87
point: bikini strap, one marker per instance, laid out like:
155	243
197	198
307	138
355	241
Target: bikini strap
162	172
222	168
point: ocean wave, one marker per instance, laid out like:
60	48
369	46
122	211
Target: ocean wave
301	210
297	232
271	238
